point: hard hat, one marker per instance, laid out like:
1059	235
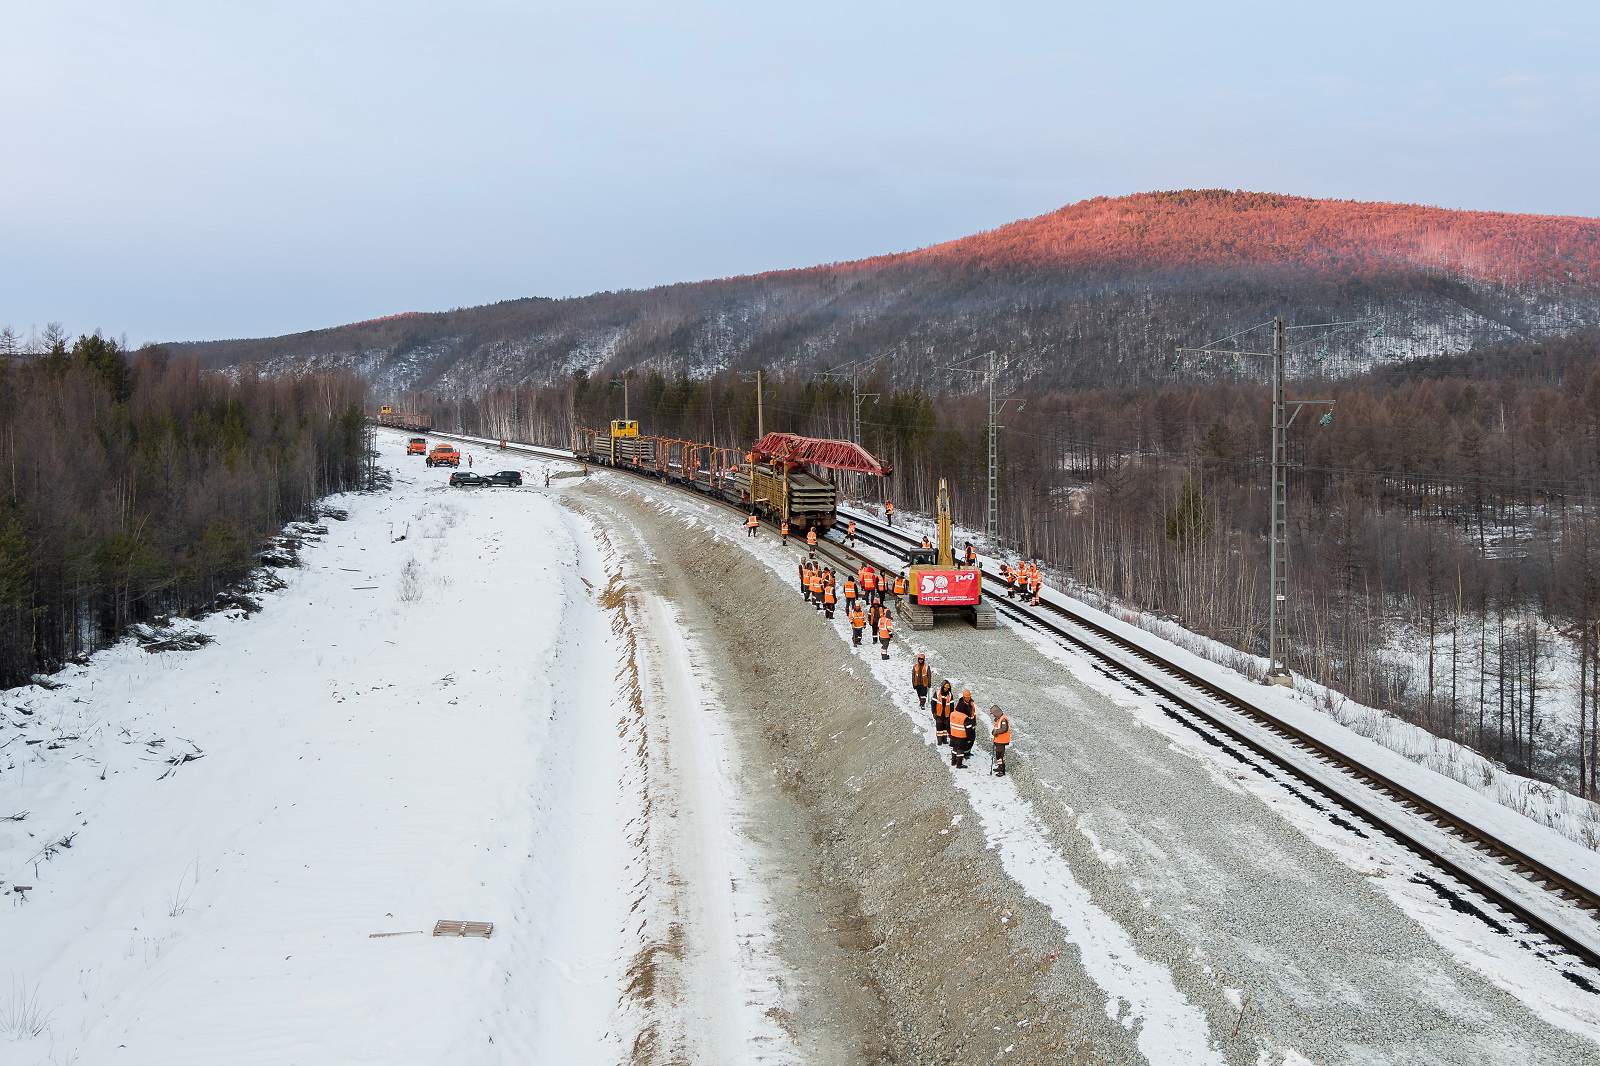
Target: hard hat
922	655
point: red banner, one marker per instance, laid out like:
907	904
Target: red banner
936	588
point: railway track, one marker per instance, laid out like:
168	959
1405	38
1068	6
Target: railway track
1545	898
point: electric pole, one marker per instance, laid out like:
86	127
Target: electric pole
996	405
1278	672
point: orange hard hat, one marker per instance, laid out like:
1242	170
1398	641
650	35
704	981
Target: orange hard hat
922	655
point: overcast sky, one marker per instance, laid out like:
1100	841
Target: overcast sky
208	168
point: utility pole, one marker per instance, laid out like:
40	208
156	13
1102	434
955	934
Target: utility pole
996	405
857	398
761	421
1278	672
1278	555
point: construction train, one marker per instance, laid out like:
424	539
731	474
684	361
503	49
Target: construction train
782	477
388	416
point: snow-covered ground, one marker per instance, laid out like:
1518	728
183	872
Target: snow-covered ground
438	718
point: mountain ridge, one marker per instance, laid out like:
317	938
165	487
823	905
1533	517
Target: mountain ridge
1096	292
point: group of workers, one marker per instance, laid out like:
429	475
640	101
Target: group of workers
955	718
1024	578
865	593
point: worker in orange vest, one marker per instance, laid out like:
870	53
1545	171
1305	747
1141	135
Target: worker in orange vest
885	631
783	531
1009	572
972	555
900	584
926	543
850	533
858	622
811	539
1002	737
869	581
922	678
849	592
963	722
944	701
815	585
888	509
828	596
750	525
804	568
1035	583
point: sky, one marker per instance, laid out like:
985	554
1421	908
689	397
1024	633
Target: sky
199	169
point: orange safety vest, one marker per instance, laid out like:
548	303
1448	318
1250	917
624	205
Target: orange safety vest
885	626
784	529
814	581
926	543
958	723
942	703
972	555
811	537
849	588
888	508
827	594
752	521
921	674
1002	729
899	586
858	617
851	528
869	581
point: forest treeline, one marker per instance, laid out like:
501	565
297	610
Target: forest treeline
1444	540
137	485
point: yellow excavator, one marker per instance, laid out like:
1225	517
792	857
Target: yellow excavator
937	586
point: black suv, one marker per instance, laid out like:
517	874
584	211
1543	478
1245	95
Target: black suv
467	479
505	477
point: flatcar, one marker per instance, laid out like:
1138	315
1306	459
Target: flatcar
782	477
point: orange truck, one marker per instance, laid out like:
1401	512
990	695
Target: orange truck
444	455
416	446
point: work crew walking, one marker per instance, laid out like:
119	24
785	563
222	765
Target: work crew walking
944	701
885	631
858	622
961	726
750	525
922	679
1002	738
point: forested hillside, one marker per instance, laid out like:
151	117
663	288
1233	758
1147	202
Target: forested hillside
143	485
1097	294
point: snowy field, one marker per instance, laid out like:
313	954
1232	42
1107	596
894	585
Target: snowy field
438	718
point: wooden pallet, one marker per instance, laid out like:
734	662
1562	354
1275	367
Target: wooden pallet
447	927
